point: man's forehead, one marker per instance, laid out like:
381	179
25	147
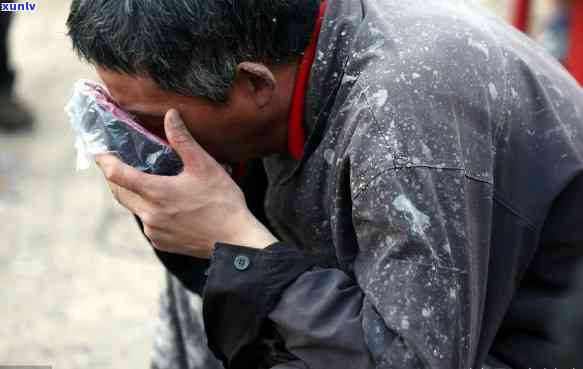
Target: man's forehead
132	93
142	96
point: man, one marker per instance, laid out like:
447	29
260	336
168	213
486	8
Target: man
563	36
424	165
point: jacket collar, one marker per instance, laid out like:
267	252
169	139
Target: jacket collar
338	29
296	131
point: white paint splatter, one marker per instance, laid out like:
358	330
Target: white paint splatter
426	312
377	45
480	46
405	323
329	156
380	98
348	79
446	246
493	91
419	221
375	31
426	152
390	242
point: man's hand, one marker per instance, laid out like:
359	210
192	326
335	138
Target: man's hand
188	213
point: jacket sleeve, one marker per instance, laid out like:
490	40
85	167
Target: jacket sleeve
423	236
412	301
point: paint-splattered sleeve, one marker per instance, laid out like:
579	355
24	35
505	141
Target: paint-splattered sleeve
411	304
413	301
416	230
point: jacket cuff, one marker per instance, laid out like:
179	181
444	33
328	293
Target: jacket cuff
243	287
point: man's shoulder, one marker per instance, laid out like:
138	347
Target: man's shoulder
424	87
435	88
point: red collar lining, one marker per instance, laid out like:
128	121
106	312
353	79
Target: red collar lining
575	58
296	130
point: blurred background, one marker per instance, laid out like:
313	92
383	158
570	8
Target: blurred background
78	283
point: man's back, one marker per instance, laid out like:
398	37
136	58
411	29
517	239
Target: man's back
538	197
460	121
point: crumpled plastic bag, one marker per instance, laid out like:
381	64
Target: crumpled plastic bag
100	126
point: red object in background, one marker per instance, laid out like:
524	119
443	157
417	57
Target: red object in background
522	15
574	62
575	57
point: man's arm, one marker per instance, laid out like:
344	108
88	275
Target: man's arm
422	237
409	304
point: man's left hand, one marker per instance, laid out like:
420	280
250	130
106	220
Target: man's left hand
187	213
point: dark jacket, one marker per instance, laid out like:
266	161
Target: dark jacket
436	216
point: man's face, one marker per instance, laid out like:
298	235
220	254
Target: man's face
230	132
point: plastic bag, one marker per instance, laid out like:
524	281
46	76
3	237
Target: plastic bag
100	126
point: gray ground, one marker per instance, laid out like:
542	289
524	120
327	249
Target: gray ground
78	285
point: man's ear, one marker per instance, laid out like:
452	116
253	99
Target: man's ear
261	80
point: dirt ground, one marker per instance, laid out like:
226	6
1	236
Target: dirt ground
78	284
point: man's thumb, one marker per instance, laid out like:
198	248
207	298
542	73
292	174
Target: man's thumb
180	139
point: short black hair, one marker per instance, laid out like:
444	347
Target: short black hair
190	47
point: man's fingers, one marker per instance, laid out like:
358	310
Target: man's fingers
182	141
123	175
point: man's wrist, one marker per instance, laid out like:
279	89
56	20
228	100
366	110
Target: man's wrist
251	233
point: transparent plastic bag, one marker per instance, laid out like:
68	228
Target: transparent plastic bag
100	126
